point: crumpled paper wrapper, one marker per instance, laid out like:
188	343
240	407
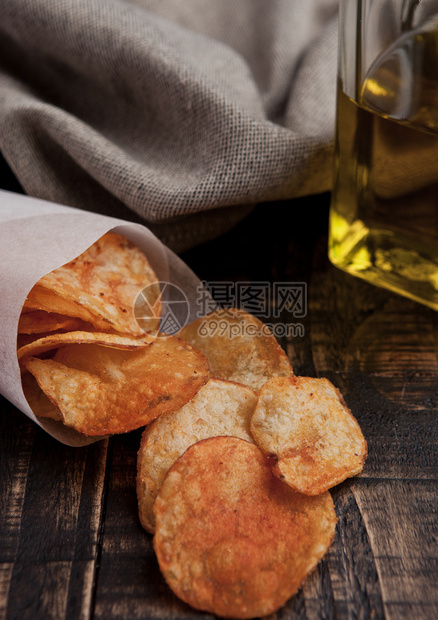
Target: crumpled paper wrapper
36	237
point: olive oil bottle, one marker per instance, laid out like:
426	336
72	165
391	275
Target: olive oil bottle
384	211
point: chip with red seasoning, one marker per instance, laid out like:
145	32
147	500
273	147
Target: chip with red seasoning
305	425
238	346
231	538
100	390
42	322
57	340
41	406
219	408
100	286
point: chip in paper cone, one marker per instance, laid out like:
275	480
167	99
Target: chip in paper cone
101	285
101	390
39	238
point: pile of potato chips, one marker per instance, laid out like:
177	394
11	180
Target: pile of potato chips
238	453
85	360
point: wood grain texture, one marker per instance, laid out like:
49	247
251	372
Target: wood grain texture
71	545
401	519
16	437
351	562
55	529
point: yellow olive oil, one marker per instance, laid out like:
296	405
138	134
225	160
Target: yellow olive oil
384	211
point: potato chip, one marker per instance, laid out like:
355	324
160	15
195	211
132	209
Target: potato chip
101	390
306	426
39	298
238	346
99	286
42	322
231	538
54	341
25	339
38	401
219	408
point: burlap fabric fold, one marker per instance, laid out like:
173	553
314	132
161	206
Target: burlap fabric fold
180	114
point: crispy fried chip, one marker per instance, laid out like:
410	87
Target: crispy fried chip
305	424
103	281
238	346
101	390
231	538
42	322
38	401
54	341
25	339
44	408
219	408
39	298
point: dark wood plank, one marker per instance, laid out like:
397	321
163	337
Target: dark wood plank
48	560
351	564
381	351
129	583
17	436
16	440
401	521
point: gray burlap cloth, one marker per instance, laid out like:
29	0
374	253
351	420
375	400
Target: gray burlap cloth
180	114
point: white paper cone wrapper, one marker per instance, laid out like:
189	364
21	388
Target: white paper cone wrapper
37	237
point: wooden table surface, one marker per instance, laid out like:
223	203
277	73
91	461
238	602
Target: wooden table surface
71	545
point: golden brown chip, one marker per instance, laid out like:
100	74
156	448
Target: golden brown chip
101	390
305	424
219	408
103	281
54	341
231	538
238	346
38	401
42	322
39	298
25	339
